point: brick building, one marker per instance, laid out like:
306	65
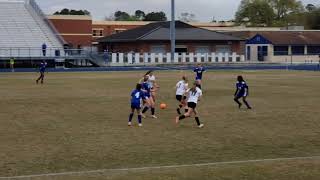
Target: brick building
154	38
76	30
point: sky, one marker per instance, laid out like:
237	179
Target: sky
204	10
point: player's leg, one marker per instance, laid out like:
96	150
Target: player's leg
139	117
39	78
244	99
236	99
179	99
153	108
200	125
131	115
42	77
199	83
186	115
146	104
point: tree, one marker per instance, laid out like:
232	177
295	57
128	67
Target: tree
283	8
313	19
155	16
66	11
255	13
140	15
121	16
272	12
187	17
311	7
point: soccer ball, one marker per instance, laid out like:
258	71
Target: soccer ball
163	106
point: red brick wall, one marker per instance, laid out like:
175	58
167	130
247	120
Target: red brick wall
74	31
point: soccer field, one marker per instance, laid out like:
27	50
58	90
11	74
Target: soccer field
76	124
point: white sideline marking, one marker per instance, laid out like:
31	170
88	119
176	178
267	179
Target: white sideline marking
159	167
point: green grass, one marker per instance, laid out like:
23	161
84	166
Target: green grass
78	122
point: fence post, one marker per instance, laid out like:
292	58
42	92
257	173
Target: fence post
121	61
242	58
184	57
198	57
136	58
153	58
234	57
146	58
191	57
168	58
114	58
176	58
160	58
226	57
129	55
213	57
220	57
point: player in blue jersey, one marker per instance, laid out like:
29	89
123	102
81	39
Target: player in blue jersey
242	91
42	69
199	70
137	96
149	102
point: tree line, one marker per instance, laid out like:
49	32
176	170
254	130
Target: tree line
259	13
277	13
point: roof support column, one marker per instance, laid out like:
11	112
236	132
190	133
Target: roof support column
173	30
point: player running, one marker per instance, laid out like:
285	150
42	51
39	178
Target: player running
199	70
194	97
137	96
242	91
42	70
149	102
181	89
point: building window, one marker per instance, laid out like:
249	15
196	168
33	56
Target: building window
297	50
97	32
281	50
313	50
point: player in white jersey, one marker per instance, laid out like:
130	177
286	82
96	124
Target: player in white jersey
194	96
181	89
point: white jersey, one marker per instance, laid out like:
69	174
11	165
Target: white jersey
151	80
181	88
194	96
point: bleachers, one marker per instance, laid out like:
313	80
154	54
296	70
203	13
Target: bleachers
23	30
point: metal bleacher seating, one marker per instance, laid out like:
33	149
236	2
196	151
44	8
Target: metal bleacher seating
23	30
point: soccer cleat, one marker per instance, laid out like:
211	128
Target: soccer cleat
154	117
240	105
129	124
177	120
249	107
201	126
37	81
140	125
143	116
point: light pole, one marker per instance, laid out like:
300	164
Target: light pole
173	30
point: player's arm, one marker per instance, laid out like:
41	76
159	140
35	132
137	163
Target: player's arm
237	91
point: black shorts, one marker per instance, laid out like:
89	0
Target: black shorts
192	105
180	98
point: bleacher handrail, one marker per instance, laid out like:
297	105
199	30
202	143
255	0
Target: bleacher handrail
38	10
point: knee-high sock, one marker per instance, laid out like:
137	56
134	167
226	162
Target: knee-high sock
182	117
139	119
198	121
145	109
153	111
247	104
130	117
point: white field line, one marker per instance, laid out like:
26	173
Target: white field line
160	167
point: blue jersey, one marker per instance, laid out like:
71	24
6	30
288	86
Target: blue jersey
242	89
199	71
136	97
43	67
147	89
